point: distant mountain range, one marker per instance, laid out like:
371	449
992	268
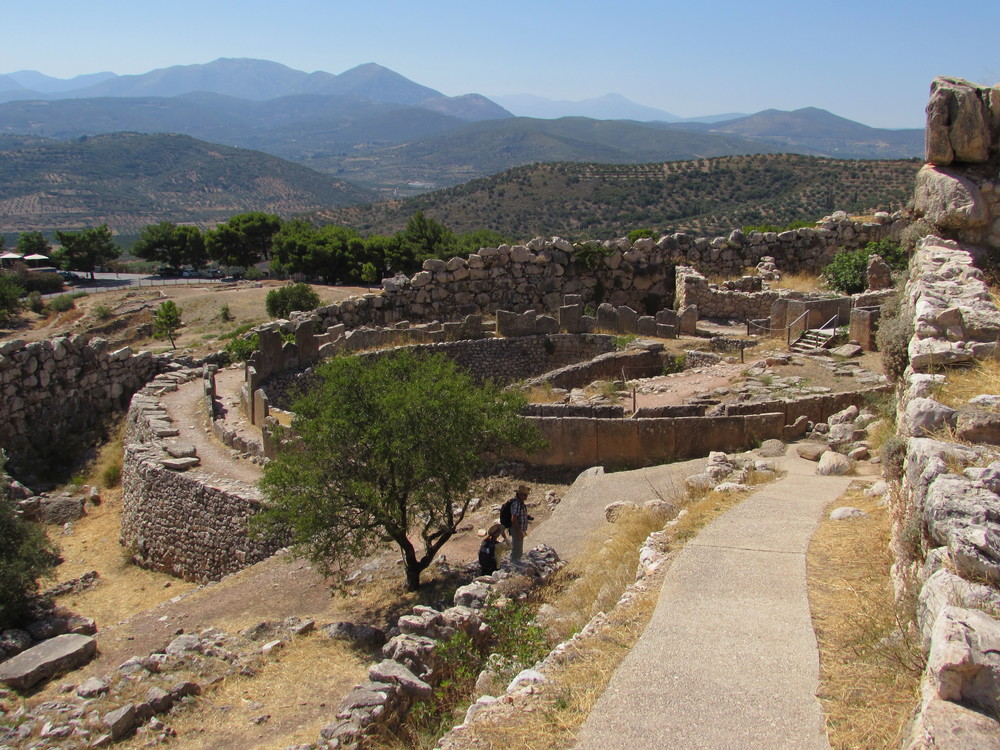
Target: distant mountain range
607	107
385	133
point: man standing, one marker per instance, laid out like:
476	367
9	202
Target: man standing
519	521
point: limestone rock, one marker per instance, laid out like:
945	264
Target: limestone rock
771	449
393	672
844	513
924	416
948	199
944	724
362	636
978	426
65	652
833	464
964	661
811	451
613	512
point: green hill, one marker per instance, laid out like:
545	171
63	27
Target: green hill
128	181
704	196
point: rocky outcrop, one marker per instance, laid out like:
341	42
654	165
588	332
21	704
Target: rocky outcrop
958	191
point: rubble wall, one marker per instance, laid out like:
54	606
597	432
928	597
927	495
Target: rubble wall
55	392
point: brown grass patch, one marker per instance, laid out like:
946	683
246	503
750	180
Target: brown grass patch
286	690
802	281
596	579
962	385
550	719
542	394
124	589
869	667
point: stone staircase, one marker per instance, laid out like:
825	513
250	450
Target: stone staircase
811	340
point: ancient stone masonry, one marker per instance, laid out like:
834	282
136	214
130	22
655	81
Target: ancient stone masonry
175	518
640	275
56	390
958	191
946	533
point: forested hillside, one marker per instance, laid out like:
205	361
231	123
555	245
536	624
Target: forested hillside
705	196
128	181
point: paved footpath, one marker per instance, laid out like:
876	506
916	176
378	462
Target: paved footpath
729	658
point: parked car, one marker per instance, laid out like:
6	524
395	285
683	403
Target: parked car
70	278
168	272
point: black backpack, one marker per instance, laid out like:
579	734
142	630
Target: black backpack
487	556
505	517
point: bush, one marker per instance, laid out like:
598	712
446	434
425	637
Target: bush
280	302
240	349
893	340
10	296
636	234
26	555
45	283
35	302
102	312
62	303
848	271
224	315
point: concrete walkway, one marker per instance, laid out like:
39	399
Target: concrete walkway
729	658
581	511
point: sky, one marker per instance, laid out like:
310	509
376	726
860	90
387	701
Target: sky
871	61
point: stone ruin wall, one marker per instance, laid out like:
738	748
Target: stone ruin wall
176	518
58	390
946	505
639	275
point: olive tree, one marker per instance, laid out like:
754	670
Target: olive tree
384	451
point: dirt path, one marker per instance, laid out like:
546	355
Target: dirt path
186	407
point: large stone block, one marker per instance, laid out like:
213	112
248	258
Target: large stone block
59	654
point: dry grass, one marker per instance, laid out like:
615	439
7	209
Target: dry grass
542	394
802	281
550	720
596	579
562	704
285	690
963	385
869	669
125	589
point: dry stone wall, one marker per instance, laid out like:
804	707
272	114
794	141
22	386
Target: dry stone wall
946	534
55	391
176	518
640	275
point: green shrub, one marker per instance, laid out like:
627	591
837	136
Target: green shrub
636	234
62	303
111	476
674	364
893	340
253	274
848	271
280	302
621	342
10	296
44	283
26	555
778	228
102	312
167	321
224	315
35	302
240	348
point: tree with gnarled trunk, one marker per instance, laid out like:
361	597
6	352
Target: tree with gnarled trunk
385	450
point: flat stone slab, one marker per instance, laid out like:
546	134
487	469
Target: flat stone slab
59	654
180	464
181	450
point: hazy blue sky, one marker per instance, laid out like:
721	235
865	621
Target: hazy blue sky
870	61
